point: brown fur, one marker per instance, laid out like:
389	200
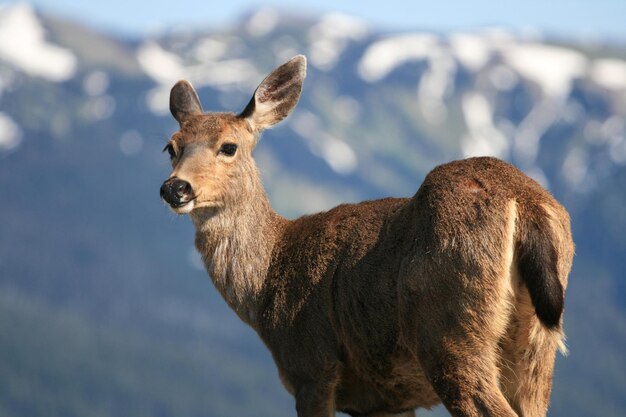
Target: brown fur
384	306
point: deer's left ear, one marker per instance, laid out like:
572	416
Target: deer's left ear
277	94
184	101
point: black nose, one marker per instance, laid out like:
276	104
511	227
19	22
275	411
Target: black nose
176	192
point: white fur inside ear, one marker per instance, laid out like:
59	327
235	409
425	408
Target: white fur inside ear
277	95
263	116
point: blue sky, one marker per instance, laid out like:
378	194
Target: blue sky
603	18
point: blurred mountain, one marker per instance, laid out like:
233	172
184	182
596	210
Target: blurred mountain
105	308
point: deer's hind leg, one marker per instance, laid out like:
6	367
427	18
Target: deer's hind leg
456	299
528	361
315	399
466	380
457	344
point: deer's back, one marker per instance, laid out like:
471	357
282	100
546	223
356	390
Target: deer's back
358	249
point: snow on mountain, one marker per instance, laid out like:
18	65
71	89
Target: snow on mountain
263	22
330	36
10	133
96	83
383	56
339	156
162	66
557	84
610	73
461	79
472	50
553	68
483	137
23	44
165	68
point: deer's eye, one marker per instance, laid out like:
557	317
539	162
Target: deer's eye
228	149
170	150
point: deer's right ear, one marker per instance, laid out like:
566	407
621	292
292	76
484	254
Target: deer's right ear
184	101
277	94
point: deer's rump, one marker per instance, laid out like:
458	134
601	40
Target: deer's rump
446	264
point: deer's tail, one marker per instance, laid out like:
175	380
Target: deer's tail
544	252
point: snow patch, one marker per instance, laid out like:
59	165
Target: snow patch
226	73
162	66
575	167
284	48
573	111
553	68
538	175
10	133
347	109
98	108
614	130
339	156
483	138
613	126
499	38
210	49
384	56
435	85
503	78
23	44
158	100
471	50
617	150
262	22
330	37
609	73
166	68
532	128
96	83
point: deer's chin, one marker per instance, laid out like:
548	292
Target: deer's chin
207	204
185	208
195	204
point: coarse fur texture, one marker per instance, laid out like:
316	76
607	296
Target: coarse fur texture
454	295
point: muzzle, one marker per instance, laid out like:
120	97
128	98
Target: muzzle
176	192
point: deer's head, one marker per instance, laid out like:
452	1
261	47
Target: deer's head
212	152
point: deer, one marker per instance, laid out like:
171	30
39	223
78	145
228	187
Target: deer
379	308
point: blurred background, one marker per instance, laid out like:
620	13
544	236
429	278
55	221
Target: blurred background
104	307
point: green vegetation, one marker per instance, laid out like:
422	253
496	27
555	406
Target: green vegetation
56	362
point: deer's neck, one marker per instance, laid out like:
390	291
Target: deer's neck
236	244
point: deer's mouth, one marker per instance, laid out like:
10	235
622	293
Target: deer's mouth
188	206
183	207
207	204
